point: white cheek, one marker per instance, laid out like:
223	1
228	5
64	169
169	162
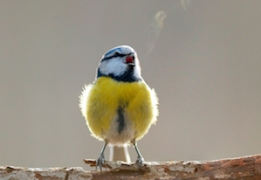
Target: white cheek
114	66
117	67
137	71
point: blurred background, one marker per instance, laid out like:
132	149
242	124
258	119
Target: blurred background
201	56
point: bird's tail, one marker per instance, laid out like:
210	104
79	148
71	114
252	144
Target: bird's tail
119	154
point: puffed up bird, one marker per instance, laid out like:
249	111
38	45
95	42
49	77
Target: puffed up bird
119	107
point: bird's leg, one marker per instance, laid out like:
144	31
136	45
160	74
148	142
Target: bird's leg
140	159
101	158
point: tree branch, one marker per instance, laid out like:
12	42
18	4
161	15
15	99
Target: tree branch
247	168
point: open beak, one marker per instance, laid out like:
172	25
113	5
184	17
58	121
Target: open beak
130	60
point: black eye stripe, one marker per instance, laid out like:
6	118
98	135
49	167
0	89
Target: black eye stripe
118	55
115	55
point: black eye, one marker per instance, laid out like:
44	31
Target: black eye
116	54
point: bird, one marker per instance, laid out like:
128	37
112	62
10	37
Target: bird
119	107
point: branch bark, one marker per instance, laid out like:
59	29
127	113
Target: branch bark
247	168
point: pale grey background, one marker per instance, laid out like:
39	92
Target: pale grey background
205	67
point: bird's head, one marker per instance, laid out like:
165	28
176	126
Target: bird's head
120	63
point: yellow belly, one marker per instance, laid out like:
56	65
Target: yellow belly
100	102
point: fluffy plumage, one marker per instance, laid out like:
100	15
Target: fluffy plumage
119	107
100	103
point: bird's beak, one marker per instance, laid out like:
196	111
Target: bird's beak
130	60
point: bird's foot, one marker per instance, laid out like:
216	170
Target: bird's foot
139	162
100	161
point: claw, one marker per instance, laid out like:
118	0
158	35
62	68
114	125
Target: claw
100	161
139	162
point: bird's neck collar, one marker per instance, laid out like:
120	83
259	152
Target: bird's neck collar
127	76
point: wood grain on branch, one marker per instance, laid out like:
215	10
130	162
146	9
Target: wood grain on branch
246	168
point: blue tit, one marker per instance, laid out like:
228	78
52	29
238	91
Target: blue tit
119	107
